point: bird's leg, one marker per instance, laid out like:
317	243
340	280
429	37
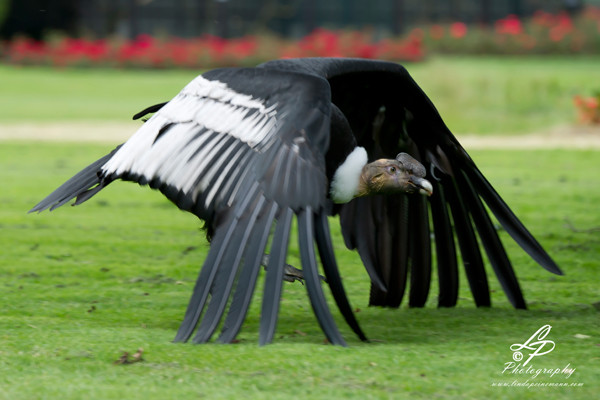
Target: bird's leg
290	273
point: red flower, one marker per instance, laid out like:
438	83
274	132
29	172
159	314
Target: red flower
208	51
511	25
588	109
458	30
565	22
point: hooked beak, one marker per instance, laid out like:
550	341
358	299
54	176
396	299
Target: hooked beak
423	184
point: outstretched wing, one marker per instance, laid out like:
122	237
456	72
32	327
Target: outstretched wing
389	113
242	149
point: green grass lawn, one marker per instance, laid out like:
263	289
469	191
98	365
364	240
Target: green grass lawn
504	95
82	285
474	95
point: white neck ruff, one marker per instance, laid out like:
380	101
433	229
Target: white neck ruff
346	178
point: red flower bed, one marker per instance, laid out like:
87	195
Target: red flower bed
544	33
205	52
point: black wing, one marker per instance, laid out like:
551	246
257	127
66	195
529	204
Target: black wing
242	149
389	113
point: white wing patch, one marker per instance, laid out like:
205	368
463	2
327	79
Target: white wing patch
204	125
219	108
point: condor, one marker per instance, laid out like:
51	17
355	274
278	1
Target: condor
249	149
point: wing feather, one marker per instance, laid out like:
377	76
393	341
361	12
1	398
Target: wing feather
358	230
420	252
492	244
228	268
274	278
325	247
311	277
360	90
447	266
510	222
398	276
469	247
249	273
204	282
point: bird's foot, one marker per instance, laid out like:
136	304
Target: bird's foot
290	273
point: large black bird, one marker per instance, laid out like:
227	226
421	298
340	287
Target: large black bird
247	149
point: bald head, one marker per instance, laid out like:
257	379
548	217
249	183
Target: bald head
403	174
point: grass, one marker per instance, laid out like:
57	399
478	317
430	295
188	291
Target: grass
474	95
37	94
82	285
503	95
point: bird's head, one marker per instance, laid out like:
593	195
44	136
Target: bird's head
403	174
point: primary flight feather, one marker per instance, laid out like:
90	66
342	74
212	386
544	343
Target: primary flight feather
249	149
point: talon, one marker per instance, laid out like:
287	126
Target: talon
290	273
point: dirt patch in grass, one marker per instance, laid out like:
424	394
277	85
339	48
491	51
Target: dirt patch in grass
575	136
560	137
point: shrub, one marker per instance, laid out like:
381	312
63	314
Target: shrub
544	33
588	108
205	52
